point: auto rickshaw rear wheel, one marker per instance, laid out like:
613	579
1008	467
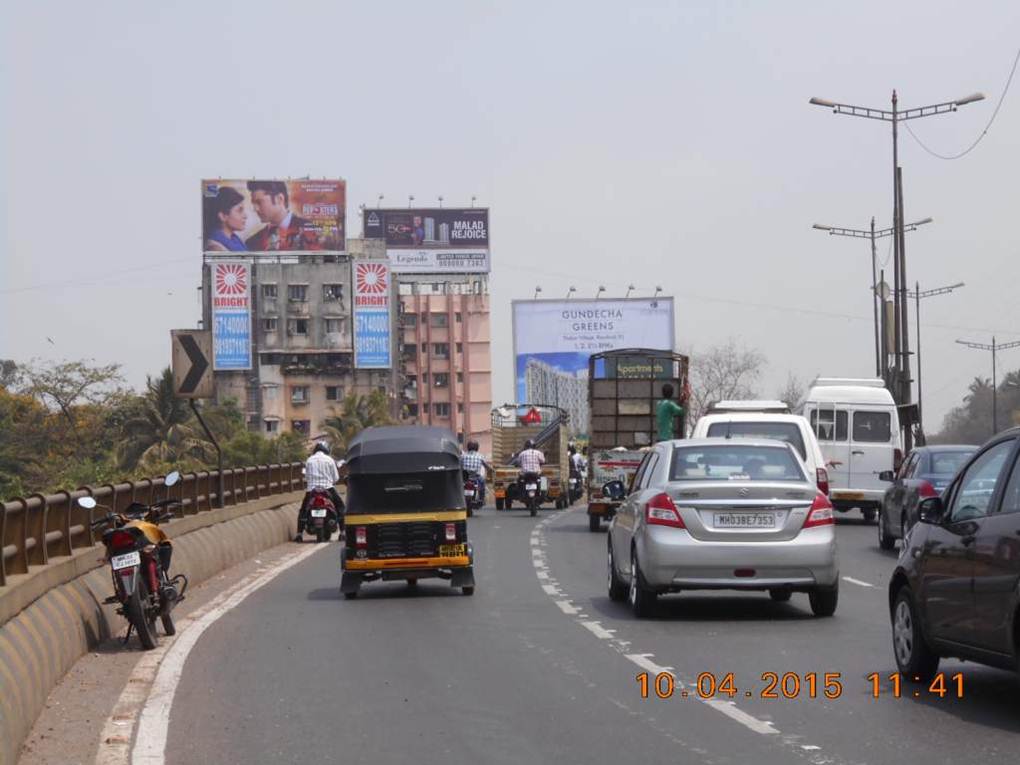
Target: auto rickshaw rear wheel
468	590
350	595
499	503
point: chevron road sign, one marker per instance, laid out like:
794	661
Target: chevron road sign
191	353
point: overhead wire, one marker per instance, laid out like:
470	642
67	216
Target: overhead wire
984	132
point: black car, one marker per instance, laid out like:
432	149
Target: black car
926	472
955	588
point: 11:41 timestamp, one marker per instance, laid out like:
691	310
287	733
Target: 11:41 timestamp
941	685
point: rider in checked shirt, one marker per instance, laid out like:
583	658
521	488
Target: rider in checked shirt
530	461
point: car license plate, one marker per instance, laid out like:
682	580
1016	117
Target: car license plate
127	560
450	551
745	521
319	513
849	495
531	486
469	493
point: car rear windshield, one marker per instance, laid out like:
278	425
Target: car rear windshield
413	492
948	462
734	462
780	431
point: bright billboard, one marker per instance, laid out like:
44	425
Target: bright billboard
231	315
372	342
432	240
553	340
273	215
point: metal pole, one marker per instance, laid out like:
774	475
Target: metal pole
884	333
917	296
874	301
896	260
219	452
904	328
995	394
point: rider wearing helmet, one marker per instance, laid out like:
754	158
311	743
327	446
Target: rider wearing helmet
472	463
320	473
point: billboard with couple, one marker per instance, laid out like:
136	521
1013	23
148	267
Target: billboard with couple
273	216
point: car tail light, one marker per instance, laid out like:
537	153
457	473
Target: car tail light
122	539
926	490
820	513
897	459
451	532
660	511
360	536
822	478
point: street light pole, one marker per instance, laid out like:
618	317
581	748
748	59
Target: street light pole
901	387
917	294
994	348
873	235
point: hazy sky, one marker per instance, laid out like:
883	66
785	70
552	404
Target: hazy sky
653	143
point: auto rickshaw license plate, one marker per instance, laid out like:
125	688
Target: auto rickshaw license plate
451	551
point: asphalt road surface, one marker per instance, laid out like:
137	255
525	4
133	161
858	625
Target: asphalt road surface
539	666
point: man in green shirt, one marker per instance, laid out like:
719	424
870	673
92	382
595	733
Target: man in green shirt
665	413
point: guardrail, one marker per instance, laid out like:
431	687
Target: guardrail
35	528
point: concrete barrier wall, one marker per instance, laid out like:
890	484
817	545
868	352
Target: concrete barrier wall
52	618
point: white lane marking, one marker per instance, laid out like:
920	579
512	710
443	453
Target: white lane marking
566	607
857	581
542	574
729	709
115	741
810	747
643	661
551	590
598	630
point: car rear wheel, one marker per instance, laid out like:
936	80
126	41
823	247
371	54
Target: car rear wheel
869	514
642	600
617	589
824	600
914	656
499	503
885	541
780	595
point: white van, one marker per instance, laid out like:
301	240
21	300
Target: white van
858	429
765	419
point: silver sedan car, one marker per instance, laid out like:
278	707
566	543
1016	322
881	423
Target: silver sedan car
714	514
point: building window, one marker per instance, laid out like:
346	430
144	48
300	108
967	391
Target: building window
412	410
425	379
458	318
410	349
334	325
297	292
269	291
424	347
334	393
410	320
440	320
297	326
460	347
272	426
441	379
270	325
299	394
332	292
460	377
441	410
301	426
460	408
441	350
269	391
406	289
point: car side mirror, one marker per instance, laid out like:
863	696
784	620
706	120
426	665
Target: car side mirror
887	475
931	510
614	490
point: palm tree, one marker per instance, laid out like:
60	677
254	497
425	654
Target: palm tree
158	430
356	414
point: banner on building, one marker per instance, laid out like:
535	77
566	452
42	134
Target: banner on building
432	240
273	216
231	316
553	340
372	341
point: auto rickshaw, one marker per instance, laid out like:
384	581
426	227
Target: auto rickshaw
406	512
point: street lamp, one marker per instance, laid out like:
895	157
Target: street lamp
917	294
630	289
410	200
658	289
872	234
570	292
537	290
994	348
601	289
895	116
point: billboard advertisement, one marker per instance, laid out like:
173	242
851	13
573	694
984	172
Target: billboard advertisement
372	343
432	240
553	340
231	316
273	216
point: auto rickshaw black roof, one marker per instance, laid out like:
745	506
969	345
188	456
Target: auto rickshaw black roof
403	449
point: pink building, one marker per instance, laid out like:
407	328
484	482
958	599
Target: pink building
445	354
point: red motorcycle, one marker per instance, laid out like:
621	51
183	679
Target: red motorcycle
323	520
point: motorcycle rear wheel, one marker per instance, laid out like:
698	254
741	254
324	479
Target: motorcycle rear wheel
135	610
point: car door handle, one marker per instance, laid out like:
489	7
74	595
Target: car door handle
857	452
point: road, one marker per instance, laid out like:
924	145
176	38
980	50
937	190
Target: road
539	666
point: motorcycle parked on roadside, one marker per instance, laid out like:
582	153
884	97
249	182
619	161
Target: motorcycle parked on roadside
139	553
473	493
323	520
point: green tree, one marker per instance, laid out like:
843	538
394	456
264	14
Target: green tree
356	413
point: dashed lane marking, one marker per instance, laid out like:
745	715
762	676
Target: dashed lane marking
857	581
